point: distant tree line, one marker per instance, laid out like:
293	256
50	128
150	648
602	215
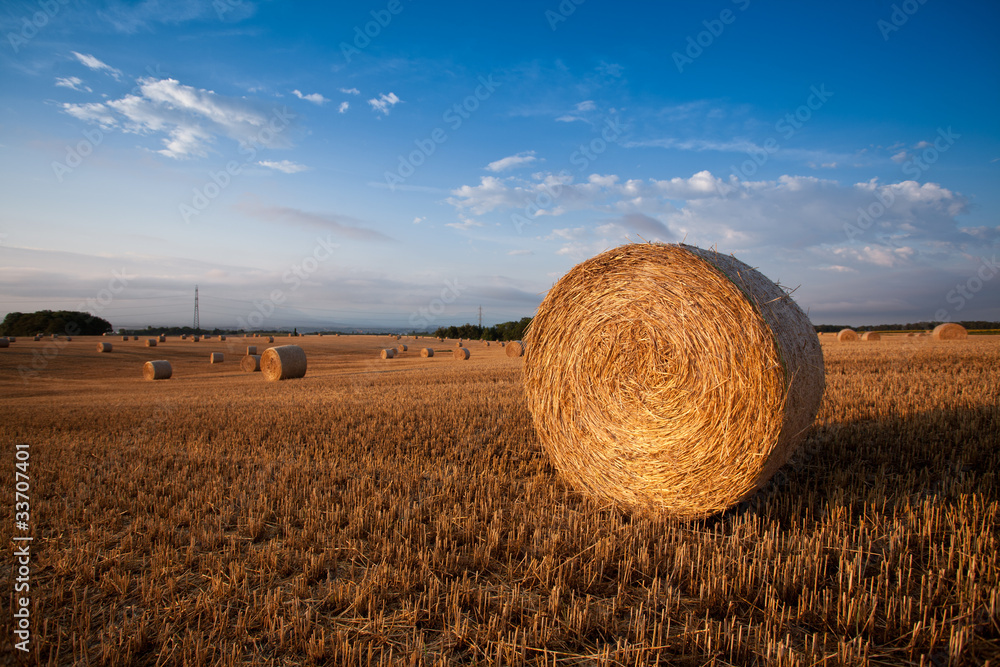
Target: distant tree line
502	331
910	326
63	322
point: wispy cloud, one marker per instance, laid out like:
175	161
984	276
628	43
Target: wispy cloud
191	118
315	98
73	83
97	65
342	225
285	166
466	223
383	103
350	91
513	161
344	106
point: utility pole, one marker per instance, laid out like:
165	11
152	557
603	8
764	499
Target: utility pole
196	325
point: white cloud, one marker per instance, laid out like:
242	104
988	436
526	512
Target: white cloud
315	98
98	66
344	106
568	118
417	220
285	166
383	103
73	83
900	157
522	158
517	253
191	118
350	91
467	223
586	105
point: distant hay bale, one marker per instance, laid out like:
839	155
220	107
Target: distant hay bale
285	362
124	337
461	353
184	336
251	349
923	335
37	337
670	377
487	343
515	348
502	343
427	352
150	342
104	347
157	370
911	335
195	339
250	363
270	339
69	338
949	331
387	353
402	347
135	338
397	337
222	338
163	338
11	339
216	358
846	335
459	343
871	335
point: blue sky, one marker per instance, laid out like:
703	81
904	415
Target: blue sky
400	163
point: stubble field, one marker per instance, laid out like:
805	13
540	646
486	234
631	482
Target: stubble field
401	512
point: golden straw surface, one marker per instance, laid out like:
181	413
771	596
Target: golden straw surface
949	331
670	377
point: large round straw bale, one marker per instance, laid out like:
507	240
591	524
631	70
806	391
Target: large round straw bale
949	331
871	335
515	348
157	370
150	342
216	358
4	342
461	353
847	335
670	377
104	347
387	353
251	363
427	352
251	349
283	363
402	347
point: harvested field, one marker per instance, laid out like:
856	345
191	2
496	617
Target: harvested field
404	513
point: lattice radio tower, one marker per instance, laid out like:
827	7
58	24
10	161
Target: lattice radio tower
196	326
